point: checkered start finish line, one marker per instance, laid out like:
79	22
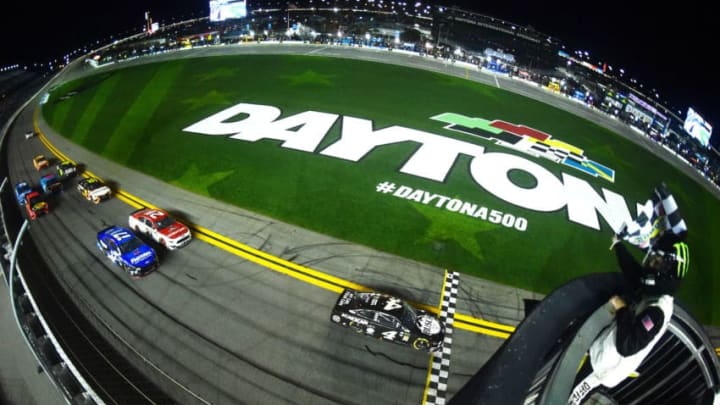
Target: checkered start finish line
437	386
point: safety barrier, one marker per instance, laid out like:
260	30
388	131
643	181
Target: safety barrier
33	326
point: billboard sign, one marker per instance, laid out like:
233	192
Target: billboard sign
221	10
697	127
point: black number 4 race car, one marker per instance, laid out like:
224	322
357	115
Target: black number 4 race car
388	318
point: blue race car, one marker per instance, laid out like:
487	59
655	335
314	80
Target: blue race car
50	183
127	251
21	190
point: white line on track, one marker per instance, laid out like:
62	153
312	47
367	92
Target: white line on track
440	369
316	50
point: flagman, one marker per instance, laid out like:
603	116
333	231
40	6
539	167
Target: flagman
642	317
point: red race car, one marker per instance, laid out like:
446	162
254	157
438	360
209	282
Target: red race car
159	225
35	205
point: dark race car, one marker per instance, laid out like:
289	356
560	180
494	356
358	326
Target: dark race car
389	318
66	169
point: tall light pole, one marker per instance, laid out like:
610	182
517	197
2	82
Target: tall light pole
148	23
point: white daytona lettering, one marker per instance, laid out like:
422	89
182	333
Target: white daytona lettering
462	207
433	160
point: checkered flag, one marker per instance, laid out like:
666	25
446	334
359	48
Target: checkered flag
658	215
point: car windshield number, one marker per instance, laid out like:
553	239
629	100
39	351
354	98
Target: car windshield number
155	215
122	235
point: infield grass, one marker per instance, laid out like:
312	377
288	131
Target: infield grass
135	117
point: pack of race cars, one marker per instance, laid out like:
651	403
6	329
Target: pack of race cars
35	200
378	315
119	244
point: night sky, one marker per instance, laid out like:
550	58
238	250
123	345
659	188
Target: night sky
667	49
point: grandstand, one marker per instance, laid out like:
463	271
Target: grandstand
449	33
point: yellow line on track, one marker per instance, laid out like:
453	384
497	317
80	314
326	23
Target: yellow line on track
427	380
482	322
442	291
302	273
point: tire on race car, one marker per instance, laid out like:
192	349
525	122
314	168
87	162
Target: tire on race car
356	327
421	344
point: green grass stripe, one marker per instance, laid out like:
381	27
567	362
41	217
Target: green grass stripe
59	114
131	130
88	117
